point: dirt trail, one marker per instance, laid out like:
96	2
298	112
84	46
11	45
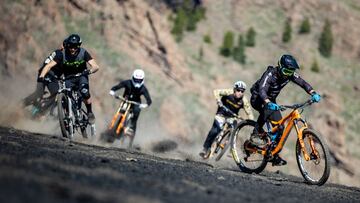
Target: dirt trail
45	168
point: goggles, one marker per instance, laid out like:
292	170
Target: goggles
73	46
239	90
287	72
138	80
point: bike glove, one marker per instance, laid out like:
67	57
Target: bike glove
112	92
86	72
272	106
315	97
40	79
142	106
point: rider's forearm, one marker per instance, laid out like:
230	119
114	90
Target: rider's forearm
93	65
47	68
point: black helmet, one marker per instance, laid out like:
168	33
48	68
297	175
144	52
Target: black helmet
72	41
64	43
287	65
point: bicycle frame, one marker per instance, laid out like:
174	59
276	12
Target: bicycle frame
74	101
126	106
292	120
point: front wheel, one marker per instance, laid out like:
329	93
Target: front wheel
64	115
223	145
315	171
248	160
66	123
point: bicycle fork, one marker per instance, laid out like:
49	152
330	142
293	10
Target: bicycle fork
71	118
122	120
301	140
115	117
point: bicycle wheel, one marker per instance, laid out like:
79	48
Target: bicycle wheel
247	160
315	171
65	121
223	146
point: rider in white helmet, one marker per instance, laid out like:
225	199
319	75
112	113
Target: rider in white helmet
134	89
234	100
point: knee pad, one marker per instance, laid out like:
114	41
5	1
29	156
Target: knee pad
85	92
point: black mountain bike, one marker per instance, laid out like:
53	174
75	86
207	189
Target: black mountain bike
72	116
222	141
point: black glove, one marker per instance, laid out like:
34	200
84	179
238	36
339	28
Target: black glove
40	79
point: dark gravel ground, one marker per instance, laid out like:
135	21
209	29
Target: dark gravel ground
44	168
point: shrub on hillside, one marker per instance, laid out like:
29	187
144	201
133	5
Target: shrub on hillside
207	39
326	40
239	51
228	43
305	26
286	37
179	24
194	16
187	15
201	54
250	37
315	67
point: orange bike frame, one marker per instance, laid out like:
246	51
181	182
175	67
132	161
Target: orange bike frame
122	118
292	117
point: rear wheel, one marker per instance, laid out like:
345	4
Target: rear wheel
315	171
66	123
246	157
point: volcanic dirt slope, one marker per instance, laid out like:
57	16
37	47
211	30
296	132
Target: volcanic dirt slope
44	168
123	34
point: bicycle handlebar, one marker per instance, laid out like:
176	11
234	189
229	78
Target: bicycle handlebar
125	100
74	75
297	106
229	111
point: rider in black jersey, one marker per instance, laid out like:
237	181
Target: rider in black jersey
265	91
232	99
73	60
134	88
50	82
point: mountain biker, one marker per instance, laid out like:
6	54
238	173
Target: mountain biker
265	91
234	100
134	88
50	82
72	61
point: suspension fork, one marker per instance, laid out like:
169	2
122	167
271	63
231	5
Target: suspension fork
121	123
115	118
300	138
71	113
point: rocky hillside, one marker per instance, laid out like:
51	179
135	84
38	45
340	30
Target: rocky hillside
124	34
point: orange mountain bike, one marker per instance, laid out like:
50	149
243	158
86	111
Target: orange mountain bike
119	125
312	153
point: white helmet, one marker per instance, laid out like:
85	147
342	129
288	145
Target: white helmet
240	85
138	78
